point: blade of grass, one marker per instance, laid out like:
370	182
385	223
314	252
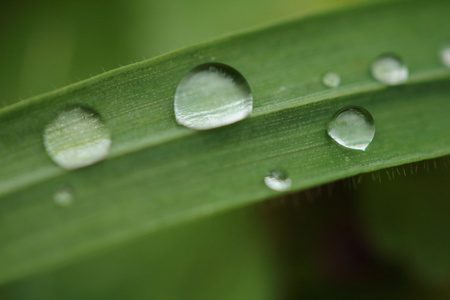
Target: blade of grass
223	257
159	173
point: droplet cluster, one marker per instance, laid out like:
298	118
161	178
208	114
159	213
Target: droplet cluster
209	96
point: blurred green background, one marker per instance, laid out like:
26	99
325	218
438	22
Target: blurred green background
49	44
384	235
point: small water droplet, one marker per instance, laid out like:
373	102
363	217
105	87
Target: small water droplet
63	197
212	95
77	138
445	54
352	127
389	69
331	79
278	180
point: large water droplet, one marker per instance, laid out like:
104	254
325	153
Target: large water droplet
212	95
352	127
389	69
77	138
445	54
331	79
278	180
63	197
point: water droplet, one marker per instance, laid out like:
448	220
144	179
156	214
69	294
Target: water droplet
331	79
445	54
212	95
278	180
63	197
389	69
77	138
352	127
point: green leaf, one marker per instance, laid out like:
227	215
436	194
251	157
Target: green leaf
159	173
224	257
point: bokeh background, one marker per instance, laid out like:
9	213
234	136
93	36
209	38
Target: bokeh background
46	44
384	235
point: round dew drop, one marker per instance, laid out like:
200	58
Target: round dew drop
389	69
352	127
212	95
445	54
63	197
278	180
331	79
77	138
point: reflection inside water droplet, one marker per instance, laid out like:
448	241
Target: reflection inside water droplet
63	197
77	138
352	127
331	79
278	180
389	69
212	95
